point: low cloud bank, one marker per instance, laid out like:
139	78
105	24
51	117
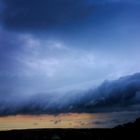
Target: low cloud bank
118	95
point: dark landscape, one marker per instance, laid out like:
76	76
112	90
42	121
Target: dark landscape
129	130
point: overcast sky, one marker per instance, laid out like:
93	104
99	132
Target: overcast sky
66	44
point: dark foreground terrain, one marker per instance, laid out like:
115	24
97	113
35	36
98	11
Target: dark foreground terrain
126	131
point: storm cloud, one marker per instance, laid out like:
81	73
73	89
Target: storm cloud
118	95
54	54
60	14
41	14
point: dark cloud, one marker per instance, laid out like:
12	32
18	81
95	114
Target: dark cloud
110	27
43	14
118	95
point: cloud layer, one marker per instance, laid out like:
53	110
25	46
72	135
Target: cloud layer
46	14
43	13
118	95
85	41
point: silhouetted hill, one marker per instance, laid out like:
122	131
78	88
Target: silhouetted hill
130	125
129	130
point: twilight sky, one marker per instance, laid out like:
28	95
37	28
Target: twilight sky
51	47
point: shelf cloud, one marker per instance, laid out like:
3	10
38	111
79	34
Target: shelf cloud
118	95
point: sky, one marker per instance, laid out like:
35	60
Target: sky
60	56
70	120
